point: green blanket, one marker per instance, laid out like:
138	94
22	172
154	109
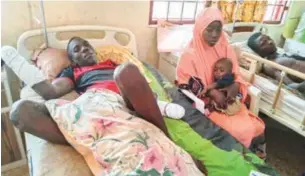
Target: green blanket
217	149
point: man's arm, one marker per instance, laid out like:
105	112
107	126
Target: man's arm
57	89
276	74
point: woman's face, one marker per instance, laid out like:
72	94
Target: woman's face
212	33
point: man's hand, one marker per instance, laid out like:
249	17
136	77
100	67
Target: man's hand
202	94
298	86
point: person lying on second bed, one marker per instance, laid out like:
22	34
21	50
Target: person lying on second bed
102	124
264	46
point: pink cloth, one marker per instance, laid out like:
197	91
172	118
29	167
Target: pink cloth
198	60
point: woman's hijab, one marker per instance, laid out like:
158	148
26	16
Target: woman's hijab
199	58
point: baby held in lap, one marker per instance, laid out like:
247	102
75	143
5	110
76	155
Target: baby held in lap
223	77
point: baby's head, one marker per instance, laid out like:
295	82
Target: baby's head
222	67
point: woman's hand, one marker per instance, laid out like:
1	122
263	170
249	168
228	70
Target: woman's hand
219	98
231	90
202	93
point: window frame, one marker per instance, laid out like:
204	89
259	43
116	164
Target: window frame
154	22
207	2
285	10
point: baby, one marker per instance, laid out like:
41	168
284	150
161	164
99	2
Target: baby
223	77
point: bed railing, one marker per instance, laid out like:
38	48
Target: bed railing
254	60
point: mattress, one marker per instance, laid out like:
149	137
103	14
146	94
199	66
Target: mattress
289	104
47	159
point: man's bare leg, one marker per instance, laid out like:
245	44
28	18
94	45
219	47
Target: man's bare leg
134	89
34	118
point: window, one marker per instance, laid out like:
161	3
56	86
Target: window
177	11
276	11
185	11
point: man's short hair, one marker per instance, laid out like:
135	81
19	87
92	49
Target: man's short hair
68	46
252	42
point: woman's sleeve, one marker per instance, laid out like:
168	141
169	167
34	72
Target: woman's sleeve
243	85
185	69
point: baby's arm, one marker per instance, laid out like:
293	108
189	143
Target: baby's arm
208	88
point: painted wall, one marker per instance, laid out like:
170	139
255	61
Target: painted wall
18	17
292	18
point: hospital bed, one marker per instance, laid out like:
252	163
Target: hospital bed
45	158
277	102
194	129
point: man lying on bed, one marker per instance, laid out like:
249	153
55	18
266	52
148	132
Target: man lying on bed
265	47
97	79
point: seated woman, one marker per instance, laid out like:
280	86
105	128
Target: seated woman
196	65
101	85
264	46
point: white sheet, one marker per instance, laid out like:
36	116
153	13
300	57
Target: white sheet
27	93
289	104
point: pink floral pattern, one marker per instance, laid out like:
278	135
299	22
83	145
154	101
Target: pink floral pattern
112	142
153	159
177	166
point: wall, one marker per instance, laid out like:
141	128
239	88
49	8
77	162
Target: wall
292	21
18	17
275	31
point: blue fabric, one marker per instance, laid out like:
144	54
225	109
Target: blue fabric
225	81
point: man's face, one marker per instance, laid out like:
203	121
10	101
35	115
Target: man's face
266	45
82	52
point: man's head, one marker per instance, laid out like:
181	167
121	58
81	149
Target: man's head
80	52
262	44
222	67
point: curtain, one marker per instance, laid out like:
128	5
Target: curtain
248	11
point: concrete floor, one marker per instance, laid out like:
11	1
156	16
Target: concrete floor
20	171
285	149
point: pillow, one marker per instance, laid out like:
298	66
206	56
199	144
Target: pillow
118	55
51	61
28	93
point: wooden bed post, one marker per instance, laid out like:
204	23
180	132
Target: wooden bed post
252	69
278	91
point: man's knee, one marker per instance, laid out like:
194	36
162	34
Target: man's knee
125	69
20	111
